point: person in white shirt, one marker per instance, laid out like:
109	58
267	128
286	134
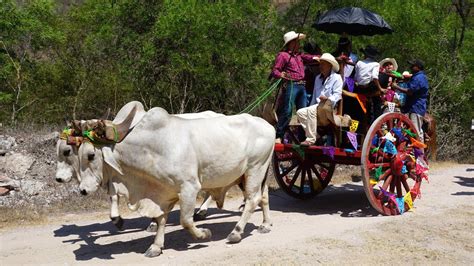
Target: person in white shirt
367	81
327	92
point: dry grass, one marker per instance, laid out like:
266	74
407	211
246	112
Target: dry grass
37	215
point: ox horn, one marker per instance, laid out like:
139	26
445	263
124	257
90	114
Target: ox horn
124	127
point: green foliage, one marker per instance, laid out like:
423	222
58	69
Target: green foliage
82	59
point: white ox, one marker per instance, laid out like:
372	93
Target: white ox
67	166
167	159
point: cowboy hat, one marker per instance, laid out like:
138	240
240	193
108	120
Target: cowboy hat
389	60
406	74
330	59
370	51
291	35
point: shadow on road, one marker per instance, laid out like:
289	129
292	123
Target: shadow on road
178	240
347	200
464	181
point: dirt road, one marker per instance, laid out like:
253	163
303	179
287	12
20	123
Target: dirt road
338	226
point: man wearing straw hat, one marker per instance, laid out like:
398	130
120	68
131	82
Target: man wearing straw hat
289	66
327	92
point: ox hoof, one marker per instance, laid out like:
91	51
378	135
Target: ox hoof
234	238
153	227
153	251
206	234
118	222
263	229
200	215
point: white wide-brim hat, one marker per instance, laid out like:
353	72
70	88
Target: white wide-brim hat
291	35
330	59
391	60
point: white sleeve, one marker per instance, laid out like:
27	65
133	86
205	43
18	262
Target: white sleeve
336	91
375	71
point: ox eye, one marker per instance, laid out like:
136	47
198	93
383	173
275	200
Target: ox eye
90	156
67	152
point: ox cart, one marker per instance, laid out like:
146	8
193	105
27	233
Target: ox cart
389	153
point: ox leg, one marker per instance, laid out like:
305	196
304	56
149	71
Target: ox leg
187	201
153	227
253	196
114	212
157	247
242	205
201	214
264	204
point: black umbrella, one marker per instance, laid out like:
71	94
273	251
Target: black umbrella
353	21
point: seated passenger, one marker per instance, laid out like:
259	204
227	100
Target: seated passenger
327	92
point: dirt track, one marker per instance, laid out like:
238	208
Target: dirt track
338	226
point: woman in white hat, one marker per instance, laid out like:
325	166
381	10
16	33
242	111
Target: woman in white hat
289	65
327	92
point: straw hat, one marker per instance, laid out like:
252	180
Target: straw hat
330	59
406	74
291	35
391	60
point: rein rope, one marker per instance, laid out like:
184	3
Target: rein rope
261	98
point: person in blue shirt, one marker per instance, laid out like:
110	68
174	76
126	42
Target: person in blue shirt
417	94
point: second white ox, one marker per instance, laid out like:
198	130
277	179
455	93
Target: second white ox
166	159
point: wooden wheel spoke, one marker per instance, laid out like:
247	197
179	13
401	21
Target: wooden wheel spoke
390	124
405	184
375	165
310	179
287	170
303	173
398	185
318	175
293	180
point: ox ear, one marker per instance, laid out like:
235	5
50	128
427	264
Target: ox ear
110	159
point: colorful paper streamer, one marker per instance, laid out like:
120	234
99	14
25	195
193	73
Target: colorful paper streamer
329	151
409	133
404	169
391	107
389	148
417	144
354	125
378	172
375	140
408	200
352	138
390	137
401	204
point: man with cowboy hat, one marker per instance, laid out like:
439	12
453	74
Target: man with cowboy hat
289	65
367	81
327	92
417	94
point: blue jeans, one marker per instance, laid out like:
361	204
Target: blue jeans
293	94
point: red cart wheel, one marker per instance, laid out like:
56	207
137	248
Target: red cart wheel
300	176
393	164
